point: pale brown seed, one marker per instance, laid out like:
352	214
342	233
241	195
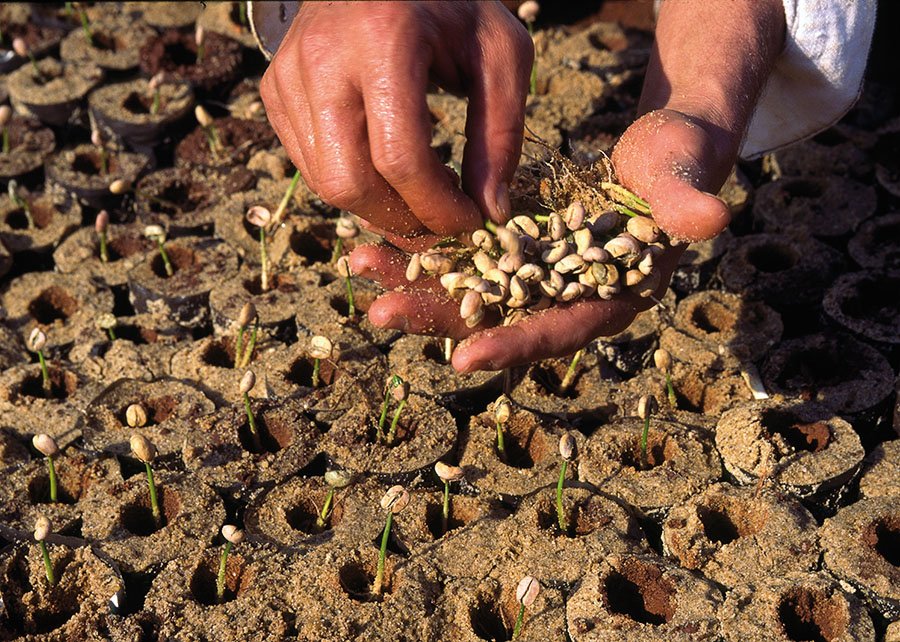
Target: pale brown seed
452	281
247	315
583	240
19	46
556	227
320	347
633	277
574	215
45	444
41	528
587	278
395	499
155	232
567	446
571	263
518	289
259	216
483	262
119	186
510	263
556	251
202	116
484	240
643	228
447	473
135	416
414	268
37	340
531	273
472	282
247	382
527	591
502	409
5	115
338	478
527	226
400	392
607	292
346	228
648	286
470	304
498	276
603	223
232	534
625	248
436	263
596	254
142	448
571	292
101	223
647	406
528	10
343	267
645	262
605	273
475	319
509	240
662	360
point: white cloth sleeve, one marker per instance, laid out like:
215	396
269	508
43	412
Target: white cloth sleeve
818	76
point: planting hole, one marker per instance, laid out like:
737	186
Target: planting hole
713	317
434	352
811	437
40	214
106	42
875	300
582	517
361	300
62	384
182	53
660	449
772	258
158	409
279	282
181	258
220	352
356	581
89	163
120	247
726	523
640	592
136	103
137	517
487	622
53	304
67	491
549	380
803	189
302	369
462	511
274	434
303	515
814	368
811	615
308	245
883	535
524	445
203	581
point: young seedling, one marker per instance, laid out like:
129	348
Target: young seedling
392	382
567	450
145	451
36	342
200	41
400	393
97	141
394	501
247	383
319	348
528	12
136	416
233	535
261	217
12	188
21	49
247	316
158	234
85	25
212	134
569	378
47	446
343	268
663	362
5	117
647	405
154	84
526	593
101	225
107	321
345	228
285	200
41	530
502	411
447	474
336	479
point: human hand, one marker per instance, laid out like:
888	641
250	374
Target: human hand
346	95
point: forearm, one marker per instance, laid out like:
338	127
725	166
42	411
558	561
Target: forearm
710	62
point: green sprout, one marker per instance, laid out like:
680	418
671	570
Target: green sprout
569	378
242	13
200	41
41	530
345	228
247	316
663	362
12	189
158	234
22	50
154	84
526	594
528	12
502	411
233	535
247	383
647	405
101	225
85	26
145	451
343	268
47	446
447	474
336	479
394	501
36	342
319	348
399	390
567	450
5	117
212	134
285	200
261	217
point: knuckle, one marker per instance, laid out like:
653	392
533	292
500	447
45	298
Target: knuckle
341	191
395	162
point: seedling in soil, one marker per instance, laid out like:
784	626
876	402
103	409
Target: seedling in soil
345	228
36	342
47	446
394	501
282	206
247	316
101	225
145	451
399	390
663	362
447	474
247	383
119	186
233	535
528	12
567	450
85	25
335	479
107	321
12	188
212	134
647	405
97	141
319	348
5	117
343	268
158	234
569	378
135	416
22	50
154	84
261	217
41	530
526	593
502	411
200	41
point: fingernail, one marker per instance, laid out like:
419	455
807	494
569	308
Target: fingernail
397	322
503	206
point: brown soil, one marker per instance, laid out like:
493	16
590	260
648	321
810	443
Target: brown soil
176	52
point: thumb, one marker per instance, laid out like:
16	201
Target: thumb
671	161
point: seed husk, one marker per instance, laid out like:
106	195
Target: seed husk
483	262
320	347
470	304
556	252
526	225
511	262
643	228
45	444
135	416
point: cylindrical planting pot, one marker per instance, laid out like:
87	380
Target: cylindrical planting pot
57	100
114	44
55	216
79	253
881	476
868	304
182	201
79	171
29	145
